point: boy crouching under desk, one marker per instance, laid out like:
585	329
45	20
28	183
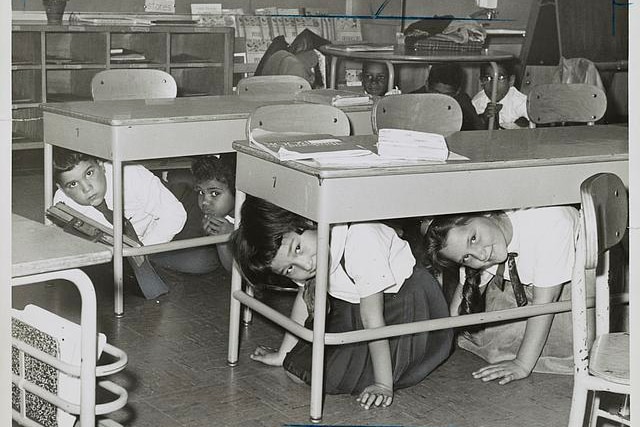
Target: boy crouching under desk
156	216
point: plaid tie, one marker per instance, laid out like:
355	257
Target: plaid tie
472	298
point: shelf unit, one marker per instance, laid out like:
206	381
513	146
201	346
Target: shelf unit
55	63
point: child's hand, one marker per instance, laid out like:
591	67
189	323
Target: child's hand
375	395
268	355
491	110
506	372
214	225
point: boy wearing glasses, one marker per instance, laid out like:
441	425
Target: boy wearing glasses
511	104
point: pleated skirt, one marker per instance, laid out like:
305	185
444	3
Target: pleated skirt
348	368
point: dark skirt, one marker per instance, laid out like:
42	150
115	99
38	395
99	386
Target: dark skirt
348	368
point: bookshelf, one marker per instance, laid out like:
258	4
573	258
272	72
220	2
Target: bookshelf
55	63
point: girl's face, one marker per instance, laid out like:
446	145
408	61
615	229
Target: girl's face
479	244
296	258
215	199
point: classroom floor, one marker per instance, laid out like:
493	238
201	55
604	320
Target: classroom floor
177	347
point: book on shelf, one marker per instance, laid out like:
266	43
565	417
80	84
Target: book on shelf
409	144
124	54
300	145
335	97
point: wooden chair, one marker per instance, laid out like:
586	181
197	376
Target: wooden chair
425	112
277	88
136	83
309	118
560	102
603	366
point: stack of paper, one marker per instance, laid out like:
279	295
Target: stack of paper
299	145
409	144
335	97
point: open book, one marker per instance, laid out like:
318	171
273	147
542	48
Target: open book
335	97
80	225
300	145
408	144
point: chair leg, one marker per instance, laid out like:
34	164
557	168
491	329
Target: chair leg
578	404
595	405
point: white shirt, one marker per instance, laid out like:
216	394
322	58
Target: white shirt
545	241
153	210
514	106
377	260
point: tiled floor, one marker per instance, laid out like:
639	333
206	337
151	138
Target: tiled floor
177	373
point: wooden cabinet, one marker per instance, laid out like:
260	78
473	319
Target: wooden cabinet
55	63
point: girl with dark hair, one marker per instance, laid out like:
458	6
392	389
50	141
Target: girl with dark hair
373	281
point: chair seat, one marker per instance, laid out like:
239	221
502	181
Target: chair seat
610	358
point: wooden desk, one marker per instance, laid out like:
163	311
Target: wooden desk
128	130
507	169
42	253
402	56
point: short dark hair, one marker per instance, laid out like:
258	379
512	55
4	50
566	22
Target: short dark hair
259	235
65	160
221	168
449	74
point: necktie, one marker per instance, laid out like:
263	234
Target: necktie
127	227
514	278
472	298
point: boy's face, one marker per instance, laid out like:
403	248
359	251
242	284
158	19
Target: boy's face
214	198
505	81
479	244
375	79
85	184
296	258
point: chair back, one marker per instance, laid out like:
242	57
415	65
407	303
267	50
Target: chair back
276	88
559	102
309	118
137	83
605	210
424	112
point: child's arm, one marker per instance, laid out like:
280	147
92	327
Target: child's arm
535	336
381	392
275	357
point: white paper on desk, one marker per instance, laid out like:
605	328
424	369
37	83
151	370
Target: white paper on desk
409	144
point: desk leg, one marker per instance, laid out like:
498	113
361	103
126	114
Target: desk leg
88	343
319	318
48	180
236	285
334	70
494	90
118	212
392	76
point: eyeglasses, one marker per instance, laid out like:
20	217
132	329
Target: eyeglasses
370	78
487	79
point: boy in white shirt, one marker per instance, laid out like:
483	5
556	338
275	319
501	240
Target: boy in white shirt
85	184
510	105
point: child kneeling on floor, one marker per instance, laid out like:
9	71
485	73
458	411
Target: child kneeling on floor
151	213
373	281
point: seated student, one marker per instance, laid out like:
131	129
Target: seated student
447	79
542	243
208	194
375	79
156	216
511	104
373	281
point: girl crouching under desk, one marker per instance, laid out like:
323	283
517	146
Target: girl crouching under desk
542	243
373	281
